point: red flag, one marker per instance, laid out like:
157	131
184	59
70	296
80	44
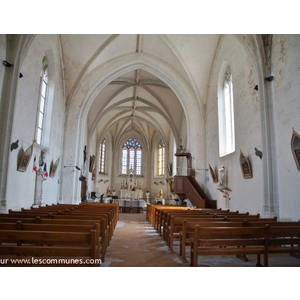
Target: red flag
45	170
34	164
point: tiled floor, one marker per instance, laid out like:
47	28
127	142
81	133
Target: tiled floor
136	243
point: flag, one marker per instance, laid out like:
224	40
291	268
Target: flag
45	170
34	164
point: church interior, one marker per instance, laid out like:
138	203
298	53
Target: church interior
205	121
126	116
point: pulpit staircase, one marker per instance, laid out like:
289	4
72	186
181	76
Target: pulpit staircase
188	187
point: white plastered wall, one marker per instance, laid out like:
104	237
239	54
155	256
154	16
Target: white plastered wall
246	194
286	87
20	185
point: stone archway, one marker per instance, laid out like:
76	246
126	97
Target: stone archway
89	88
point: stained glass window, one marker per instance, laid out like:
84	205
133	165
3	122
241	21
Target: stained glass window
131	157
161	159
226	116
42	102
102	150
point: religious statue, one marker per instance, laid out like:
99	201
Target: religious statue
161	194
147	196
222	176
83	172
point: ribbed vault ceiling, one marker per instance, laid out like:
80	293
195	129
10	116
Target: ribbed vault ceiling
137	101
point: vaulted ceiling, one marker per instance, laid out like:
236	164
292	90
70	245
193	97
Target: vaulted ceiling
137	101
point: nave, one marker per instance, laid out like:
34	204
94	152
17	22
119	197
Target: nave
162	236
136	243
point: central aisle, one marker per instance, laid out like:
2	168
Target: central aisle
136	243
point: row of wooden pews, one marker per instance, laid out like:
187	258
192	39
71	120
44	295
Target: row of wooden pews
222	232
57	235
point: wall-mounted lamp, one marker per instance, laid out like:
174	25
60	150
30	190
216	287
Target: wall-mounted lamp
6	64
73	167
258	153
270	78
14	145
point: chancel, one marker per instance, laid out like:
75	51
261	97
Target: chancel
134	126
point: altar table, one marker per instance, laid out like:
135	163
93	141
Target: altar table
128	205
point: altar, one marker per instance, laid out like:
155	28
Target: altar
135	206
127	194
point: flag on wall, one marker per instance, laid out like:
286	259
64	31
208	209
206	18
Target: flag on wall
34	164
45	170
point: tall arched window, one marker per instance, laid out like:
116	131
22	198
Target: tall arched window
131	157
161	159
226	115
102	151
40	125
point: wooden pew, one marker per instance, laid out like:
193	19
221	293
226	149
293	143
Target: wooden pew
56	206
103	232
165	215
98	217
158	211
278	237
20	214
51	211
14	220
83	215
188	229
30	214
167	226
51	247
104	237
282	239
171	232
238	241
152	211
110	210
105	214
163	229
50	227
114	207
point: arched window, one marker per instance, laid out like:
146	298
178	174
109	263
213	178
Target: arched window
161	159
102	151
226	116
131	157
40	125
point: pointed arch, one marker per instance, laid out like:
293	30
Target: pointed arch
91	85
